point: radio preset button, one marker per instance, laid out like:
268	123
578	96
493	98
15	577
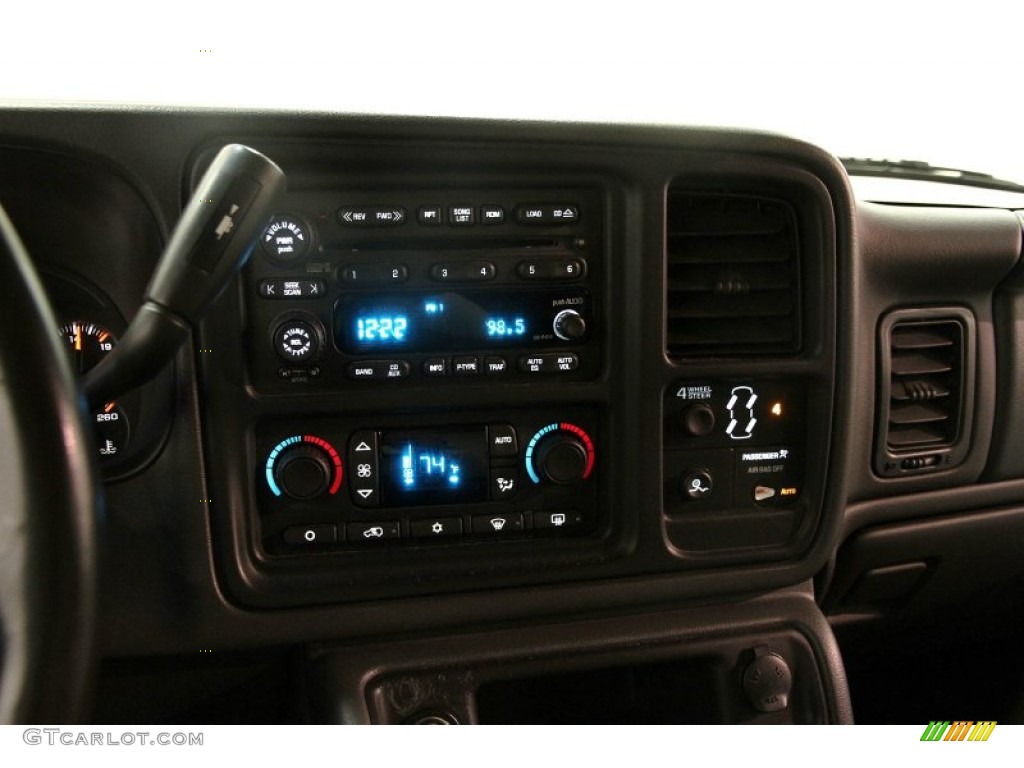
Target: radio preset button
492	214
461	215
292	289
369	532
496	524
374	274
435	366
435	528
366	370
551	269
463	271
547	213
495	365
371	216
429	215
466	365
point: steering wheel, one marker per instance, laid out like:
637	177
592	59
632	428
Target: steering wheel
48	509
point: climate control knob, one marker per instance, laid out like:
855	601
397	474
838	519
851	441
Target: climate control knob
303	467
303	472
569	325
560	453
561	459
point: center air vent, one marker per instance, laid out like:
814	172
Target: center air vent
733	275
926	374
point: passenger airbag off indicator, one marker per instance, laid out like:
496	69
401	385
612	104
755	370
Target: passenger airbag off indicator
771	475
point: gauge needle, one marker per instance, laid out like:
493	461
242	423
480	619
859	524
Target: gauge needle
109	407
78	347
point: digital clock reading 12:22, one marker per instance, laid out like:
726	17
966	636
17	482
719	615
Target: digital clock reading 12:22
386	329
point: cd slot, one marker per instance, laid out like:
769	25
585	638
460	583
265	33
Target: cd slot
447	244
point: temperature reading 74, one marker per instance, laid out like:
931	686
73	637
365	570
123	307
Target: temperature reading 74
741	413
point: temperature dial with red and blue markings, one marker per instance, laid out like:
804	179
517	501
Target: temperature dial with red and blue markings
561	453
303	467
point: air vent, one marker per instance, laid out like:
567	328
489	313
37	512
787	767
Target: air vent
733	275
927	371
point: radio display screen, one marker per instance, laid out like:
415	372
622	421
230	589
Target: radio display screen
438	466
448	321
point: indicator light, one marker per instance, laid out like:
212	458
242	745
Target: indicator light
776	409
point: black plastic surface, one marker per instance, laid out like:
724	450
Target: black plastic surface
162	524
673	667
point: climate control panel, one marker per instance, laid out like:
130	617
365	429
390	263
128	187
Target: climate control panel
333	483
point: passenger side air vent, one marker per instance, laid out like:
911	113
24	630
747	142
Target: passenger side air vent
733	275
927	371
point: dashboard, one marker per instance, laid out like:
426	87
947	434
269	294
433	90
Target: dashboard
505	421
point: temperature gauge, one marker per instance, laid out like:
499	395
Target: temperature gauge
88	344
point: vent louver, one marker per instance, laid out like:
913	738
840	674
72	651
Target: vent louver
733	282
924	384
926	390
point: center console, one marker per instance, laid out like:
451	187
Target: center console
432	289
451	369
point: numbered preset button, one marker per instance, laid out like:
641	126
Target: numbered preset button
463	271
374	274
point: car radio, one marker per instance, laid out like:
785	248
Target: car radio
433	287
